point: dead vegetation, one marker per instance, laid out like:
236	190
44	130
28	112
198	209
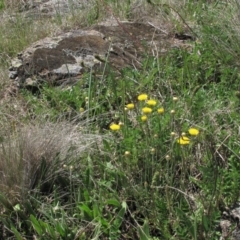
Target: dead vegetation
40	151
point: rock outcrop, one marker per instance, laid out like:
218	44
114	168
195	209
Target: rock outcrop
67	56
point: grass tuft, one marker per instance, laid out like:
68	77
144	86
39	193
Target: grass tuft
34	154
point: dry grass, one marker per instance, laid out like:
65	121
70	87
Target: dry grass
23	152
14	3
16	33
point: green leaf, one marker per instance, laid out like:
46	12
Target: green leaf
85	209
119	218
95	211
60	229
144	231
29	207
51	232
86	196
205	220
187	222
114	230
16	233
113	202
37	226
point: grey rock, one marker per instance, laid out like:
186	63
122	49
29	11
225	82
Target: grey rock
230	227
235	212
225	227
30	82
69	55
236	234
68	69
16	63
12	74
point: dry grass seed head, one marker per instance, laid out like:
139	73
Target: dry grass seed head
22	153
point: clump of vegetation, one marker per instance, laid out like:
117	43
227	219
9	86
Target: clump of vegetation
148	154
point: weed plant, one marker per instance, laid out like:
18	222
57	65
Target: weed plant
141	154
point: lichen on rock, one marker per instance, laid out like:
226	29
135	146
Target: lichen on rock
70	54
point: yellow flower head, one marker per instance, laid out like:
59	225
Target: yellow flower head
142	97
160	110
130	106
114	127
183	140
146	110
81	110
151	102
193	131
144	118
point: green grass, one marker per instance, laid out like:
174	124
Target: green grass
67	175
2	5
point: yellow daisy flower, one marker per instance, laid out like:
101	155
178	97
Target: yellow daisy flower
146	110
144	118
193	131
183	140
151	102
130	106
160	110
142	97
114	127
